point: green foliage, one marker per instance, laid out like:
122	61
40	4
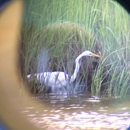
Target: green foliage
67	27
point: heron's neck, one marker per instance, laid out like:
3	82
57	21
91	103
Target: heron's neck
77	66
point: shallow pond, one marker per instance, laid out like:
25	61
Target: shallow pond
81	113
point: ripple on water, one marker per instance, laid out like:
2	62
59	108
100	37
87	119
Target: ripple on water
81	114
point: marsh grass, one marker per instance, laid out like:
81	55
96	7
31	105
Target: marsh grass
66	28
63	43
117	74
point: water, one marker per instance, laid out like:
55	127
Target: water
81	113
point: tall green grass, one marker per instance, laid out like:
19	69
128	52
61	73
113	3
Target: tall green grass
66	28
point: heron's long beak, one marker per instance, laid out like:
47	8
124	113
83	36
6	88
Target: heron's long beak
95	55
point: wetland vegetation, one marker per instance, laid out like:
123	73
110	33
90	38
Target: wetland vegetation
55	32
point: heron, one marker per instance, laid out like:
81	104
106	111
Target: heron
59	79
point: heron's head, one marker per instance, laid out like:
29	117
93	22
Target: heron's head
89	53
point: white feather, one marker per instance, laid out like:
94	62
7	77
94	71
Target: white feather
60	79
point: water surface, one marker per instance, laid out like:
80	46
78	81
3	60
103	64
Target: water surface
81	113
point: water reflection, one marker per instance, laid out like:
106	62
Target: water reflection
81	113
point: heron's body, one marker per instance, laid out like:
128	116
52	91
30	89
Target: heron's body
60	79
52	79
